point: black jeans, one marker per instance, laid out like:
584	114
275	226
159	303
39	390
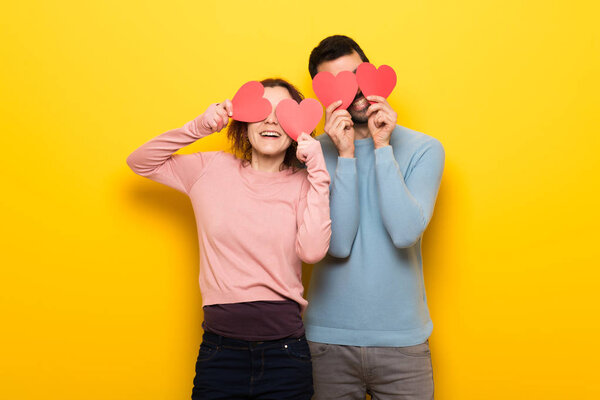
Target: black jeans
238	369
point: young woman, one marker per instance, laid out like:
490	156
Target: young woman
258	216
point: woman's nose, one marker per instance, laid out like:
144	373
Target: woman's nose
272	118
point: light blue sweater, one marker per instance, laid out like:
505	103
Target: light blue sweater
369	291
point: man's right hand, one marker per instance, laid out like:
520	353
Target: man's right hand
340	128
216	116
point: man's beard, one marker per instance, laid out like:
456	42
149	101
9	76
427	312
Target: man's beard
358	109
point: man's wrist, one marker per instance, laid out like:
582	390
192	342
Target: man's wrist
347	153
380	145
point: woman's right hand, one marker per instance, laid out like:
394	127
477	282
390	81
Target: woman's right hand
216	116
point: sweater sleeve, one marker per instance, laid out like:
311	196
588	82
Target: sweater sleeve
155	159
407	204
314	223
345	207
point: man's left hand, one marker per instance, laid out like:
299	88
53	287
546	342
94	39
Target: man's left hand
382	120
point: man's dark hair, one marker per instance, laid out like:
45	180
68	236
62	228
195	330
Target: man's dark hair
331	48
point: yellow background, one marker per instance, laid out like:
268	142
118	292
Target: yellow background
98	288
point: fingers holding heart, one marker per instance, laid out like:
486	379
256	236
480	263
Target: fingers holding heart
382	110
343	124
214	118
381	123
381	118
304	137
379	104
331	120
340	128
301	149
332	107
228	107
221	118
306	146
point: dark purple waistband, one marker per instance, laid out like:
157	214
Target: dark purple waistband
255	320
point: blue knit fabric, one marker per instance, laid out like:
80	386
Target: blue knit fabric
369	289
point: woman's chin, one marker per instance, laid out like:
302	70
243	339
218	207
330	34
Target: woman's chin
270	152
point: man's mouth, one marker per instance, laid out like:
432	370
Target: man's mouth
360	103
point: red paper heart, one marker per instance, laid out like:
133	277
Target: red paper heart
330	89
249	105
375	82
296	118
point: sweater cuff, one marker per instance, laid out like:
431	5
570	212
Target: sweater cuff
384	154
195	128
346	166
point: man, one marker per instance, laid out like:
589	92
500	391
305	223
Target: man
367	319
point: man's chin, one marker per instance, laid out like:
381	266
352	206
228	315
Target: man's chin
359	117
358	109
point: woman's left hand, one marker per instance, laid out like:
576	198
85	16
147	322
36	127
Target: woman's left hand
307	146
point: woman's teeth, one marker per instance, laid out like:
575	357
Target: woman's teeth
270	134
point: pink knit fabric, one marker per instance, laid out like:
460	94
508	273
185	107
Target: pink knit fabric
254	227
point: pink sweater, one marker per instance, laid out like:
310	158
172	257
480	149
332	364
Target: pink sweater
254	227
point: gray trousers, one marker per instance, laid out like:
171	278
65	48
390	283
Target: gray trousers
385	373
